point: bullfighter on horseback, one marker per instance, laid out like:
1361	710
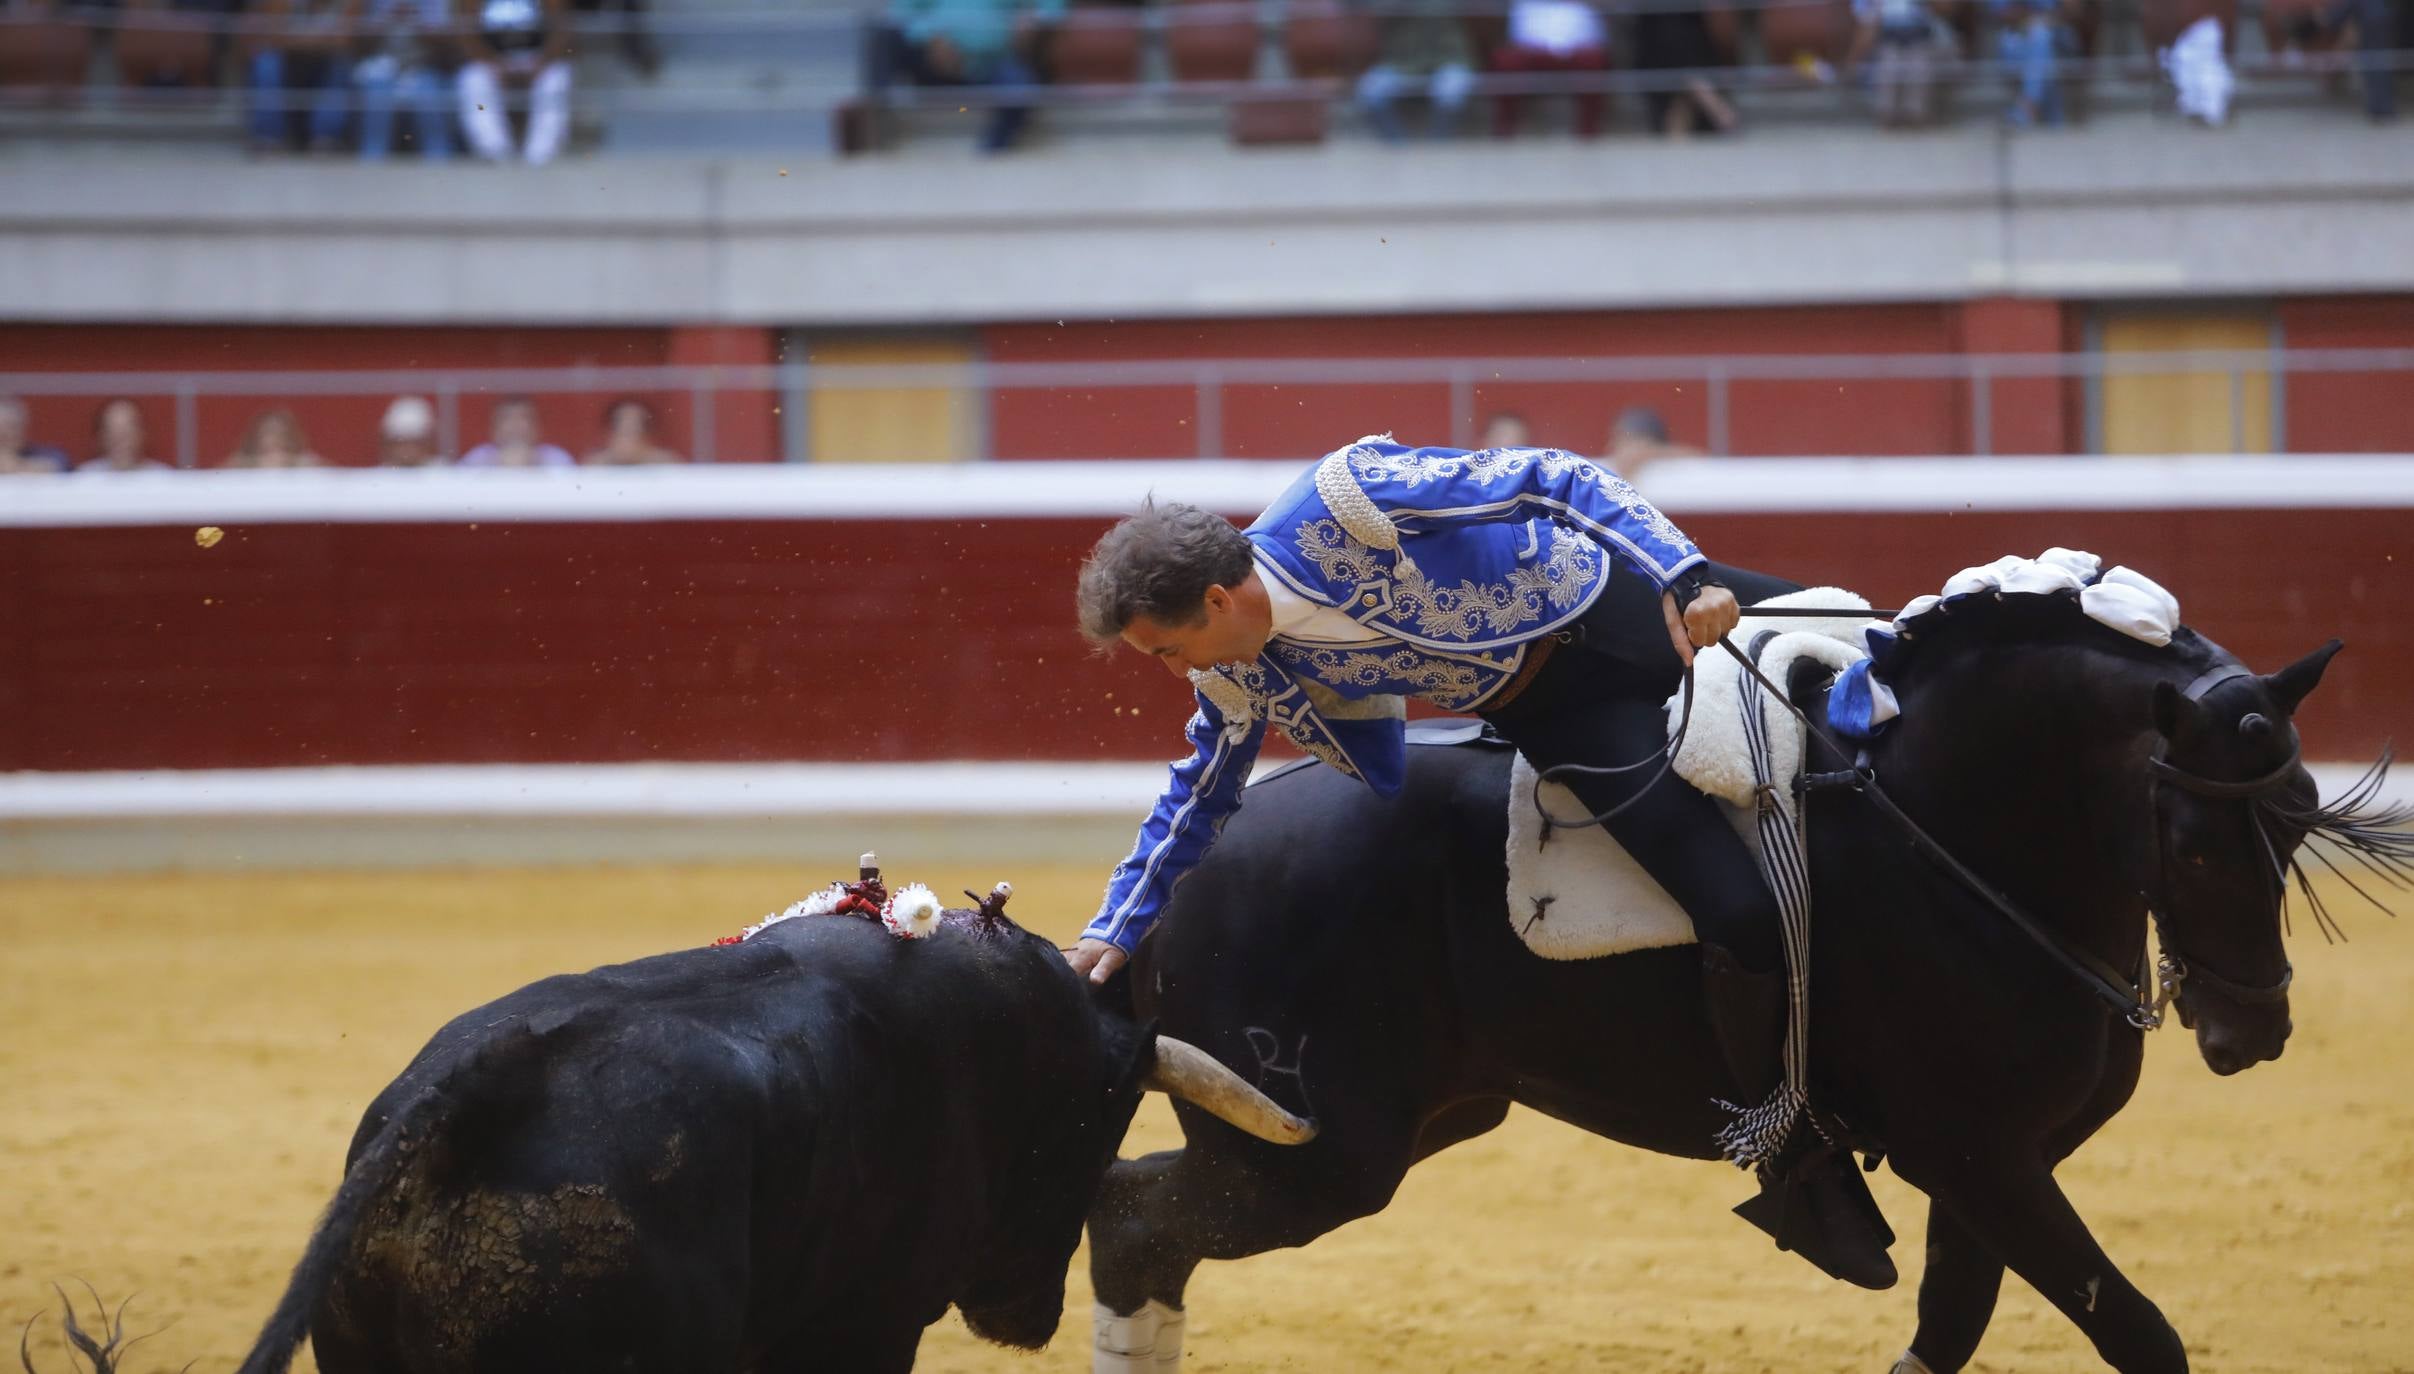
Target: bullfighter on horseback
1530	587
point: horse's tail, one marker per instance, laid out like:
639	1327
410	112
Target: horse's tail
488	1071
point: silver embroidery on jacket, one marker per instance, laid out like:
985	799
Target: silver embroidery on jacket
1471	608
1413	469
1444	682
1243	693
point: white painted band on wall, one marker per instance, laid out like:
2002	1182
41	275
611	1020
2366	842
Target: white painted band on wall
1077	490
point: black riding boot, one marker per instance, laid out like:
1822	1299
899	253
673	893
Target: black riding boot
1812	1199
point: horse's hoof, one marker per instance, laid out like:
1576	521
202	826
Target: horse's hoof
1148	1341
1910	1364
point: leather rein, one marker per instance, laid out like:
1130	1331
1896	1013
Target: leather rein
2129	995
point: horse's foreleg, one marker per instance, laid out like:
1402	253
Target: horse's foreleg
1957	1295
2015	1209
1223	1197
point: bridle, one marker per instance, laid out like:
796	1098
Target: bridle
2175	966
2126	994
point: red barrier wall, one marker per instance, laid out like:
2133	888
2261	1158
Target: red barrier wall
1883	417
364	643
2349	412
2324	413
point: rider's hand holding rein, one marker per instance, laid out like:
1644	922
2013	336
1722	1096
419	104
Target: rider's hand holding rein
1702	622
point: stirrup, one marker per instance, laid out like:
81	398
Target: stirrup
1821	1209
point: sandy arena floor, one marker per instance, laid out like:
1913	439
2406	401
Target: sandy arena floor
185	1058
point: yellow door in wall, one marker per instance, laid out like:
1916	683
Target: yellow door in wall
921	422
2199	411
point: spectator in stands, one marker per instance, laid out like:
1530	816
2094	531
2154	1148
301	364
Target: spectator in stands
1552	36
516	46
301	74
1638	439
1903	41
1419	45
1677	42
406	438
274	439
629	437
18	456
171	43
970	43
2199	67
2375	23
123	439
2031	37
516	443
636	41
406	60
1506	429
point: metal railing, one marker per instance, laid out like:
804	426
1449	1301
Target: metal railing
782	400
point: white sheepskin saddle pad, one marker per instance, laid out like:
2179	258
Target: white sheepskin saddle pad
1583	896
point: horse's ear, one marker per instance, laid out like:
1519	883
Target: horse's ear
2292	684
2174	713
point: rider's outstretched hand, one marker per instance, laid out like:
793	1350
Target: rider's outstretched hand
1095	960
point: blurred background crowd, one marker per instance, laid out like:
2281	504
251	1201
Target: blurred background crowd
121	440
407	437
527	80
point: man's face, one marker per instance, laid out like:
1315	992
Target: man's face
1225	633
12	429
407	451
121	430
1507	431
515	425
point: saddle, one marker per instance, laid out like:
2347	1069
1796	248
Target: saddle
1578	894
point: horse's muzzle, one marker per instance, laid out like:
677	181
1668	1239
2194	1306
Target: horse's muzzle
2231	1039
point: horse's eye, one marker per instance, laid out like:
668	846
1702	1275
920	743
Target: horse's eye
2254	725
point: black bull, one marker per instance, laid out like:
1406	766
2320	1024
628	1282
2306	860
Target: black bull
794	1153
1355	954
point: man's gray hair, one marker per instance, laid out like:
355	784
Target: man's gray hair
1159	564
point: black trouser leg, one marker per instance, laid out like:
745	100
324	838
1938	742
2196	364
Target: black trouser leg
1600	701
1679	837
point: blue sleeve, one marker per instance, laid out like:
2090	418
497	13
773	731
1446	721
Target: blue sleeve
1429	489
1202	792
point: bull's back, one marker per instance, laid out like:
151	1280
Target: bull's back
576	1210
699	1128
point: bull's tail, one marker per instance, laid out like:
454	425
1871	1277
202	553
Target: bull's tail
472	1075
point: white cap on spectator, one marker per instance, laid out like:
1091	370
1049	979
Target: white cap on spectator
410	417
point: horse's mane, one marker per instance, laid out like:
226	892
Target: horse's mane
1953	631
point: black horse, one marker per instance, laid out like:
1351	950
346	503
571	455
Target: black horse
2085	776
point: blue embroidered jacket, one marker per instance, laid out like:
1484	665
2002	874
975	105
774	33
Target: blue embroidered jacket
1458	560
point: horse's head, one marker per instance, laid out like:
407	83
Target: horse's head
2232	802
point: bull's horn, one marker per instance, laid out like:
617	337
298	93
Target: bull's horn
1186	1072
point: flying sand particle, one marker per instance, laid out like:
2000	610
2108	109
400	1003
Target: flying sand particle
208	536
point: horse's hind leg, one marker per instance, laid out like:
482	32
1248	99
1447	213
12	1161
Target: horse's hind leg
1956	1297
2018	1212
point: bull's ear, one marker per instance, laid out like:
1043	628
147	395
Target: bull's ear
2174	714
2292	684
